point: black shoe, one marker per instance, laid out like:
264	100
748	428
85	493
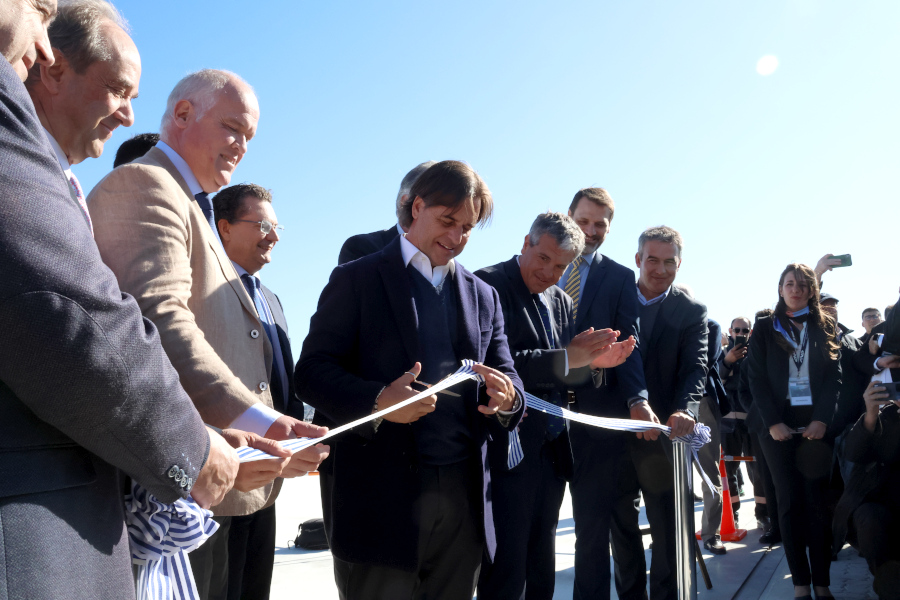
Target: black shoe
715	545
770	537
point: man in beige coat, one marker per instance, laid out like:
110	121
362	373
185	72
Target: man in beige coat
152	222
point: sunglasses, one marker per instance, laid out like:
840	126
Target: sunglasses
741	329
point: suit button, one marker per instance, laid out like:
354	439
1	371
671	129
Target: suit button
173	471
190	484
263	386
254	333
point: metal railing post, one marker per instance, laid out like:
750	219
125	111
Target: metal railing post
684	522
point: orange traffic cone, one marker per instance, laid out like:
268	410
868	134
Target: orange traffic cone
728	532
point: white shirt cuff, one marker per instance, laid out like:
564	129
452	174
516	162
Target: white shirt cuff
877	368
566	374
256	419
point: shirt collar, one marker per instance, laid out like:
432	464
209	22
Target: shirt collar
422	263
182	167
400	230
60	155
646	302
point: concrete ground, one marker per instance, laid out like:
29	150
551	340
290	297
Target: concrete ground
750	571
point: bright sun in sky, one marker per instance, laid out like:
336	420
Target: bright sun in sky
767	65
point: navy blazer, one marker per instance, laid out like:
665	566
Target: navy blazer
610	301
675	365
768	374
362	337
365	244
542	370
294	406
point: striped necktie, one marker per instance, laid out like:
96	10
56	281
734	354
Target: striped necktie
79	196
573	284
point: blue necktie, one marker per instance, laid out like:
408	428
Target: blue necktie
251	283
206	206
555	425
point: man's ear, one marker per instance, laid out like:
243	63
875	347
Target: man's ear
526	244
51	77
418	205
182	114
637	259
224	228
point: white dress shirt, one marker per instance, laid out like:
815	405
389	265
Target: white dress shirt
182	167
422	263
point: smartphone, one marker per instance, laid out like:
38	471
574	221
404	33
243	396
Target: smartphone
845	259
892	390
740	340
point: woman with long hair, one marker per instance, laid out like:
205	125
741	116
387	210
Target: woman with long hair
794	374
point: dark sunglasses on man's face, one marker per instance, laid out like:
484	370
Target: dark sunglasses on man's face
741	329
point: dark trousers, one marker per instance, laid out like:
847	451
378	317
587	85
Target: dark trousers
800	469
765	477
741	442
251	555
648	472
878	532
708	455
597	456
236	562
525	562
449	549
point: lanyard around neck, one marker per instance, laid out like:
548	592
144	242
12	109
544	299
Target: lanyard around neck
798	360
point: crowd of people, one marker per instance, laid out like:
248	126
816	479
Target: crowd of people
142	344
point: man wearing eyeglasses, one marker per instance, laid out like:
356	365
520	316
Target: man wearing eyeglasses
249	230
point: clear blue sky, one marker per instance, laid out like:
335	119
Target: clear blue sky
659	102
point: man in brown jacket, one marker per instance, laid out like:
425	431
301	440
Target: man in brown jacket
153	221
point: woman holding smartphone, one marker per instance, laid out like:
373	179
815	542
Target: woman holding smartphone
794	375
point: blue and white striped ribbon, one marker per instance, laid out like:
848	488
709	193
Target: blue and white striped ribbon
464	373
697	439
160	536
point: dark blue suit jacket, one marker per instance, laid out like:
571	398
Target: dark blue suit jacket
542	370
364	244
294	406
362	337
610	301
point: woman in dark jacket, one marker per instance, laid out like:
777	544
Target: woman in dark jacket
794	374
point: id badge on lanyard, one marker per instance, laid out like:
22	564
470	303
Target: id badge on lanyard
798	387
801	394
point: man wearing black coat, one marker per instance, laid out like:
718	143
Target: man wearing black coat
603	297
411	513
365	244
674	351
548	357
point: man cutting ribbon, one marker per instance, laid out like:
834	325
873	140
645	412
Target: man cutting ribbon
407	507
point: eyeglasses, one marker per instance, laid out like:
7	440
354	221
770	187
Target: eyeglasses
871	317
741	329
264	226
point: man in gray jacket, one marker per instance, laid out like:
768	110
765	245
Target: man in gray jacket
86	391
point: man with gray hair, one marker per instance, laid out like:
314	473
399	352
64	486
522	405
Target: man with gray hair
550	358
87	92
364	244
155	229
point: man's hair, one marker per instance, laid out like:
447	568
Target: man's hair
663	234
134	148
766	312
746	320
598	196
450	183
560	227
199	88
229	202
76	34
871	309
406	185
